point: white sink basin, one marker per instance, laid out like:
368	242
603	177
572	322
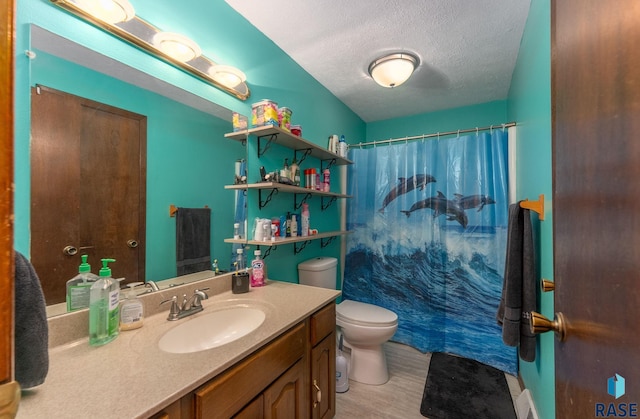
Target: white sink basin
211	330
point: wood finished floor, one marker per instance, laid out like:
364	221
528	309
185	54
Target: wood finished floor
401	396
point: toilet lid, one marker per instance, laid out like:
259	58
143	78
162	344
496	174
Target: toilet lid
364	314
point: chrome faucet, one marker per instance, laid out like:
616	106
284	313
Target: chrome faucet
188	307
151	285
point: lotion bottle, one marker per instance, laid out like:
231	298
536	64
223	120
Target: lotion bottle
132	309
305	220
104	307
79	287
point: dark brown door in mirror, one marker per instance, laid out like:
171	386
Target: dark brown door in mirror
88	188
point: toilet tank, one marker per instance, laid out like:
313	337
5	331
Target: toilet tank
318	272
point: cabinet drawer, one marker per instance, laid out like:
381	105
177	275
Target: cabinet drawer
322	323
227	394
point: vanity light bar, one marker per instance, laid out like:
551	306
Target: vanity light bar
141	33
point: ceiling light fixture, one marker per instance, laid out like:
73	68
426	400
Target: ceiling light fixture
227	75
110	11
394	69
177	46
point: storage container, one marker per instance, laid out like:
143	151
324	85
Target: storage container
264	113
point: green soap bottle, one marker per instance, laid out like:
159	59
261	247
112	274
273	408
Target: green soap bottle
79	286
104	307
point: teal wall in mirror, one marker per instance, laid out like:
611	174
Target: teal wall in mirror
188	161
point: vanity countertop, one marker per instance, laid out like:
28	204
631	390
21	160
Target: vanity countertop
131	377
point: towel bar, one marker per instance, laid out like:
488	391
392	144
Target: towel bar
173	209
537	206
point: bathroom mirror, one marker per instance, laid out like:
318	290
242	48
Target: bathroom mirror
188	162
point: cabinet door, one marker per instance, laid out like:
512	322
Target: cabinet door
286	397
253	410
323	375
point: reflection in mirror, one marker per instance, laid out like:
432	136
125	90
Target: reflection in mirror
145	35
188	160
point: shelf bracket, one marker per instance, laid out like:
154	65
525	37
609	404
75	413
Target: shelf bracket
307	151
268	251
331	163
264	203
267	146
295	203
331	201
299	249
326	242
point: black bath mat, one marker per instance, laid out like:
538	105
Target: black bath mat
460	388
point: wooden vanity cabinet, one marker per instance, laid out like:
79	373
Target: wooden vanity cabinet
276	382
322	328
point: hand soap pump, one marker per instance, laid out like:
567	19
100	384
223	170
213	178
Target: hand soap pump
104	307
79	286
131	310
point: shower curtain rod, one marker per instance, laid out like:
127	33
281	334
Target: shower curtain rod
437	134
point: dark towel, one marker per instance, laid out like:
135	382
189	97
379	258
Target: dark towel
31	328
193	240
519	286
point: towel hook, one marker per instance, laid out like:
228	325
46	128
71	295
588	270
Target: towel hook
537	206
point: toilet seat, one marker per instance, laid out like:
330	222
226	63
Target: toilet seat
364	314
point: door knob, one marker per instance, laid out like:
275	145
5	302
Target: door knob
69	250
540	324
132	243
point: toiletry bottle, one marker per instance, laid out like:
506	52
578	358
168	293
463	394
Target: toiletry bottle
294	225
131	310
236	231
78	287
288	231
305	220
295	172
214	267
240	263
258	270
286	172
342	147
327	180
104	305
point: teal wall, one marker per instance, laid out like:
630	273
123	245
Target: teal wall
481	115
529	103
230	40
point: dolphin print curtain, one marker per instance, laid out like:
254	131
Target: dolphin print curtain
429	222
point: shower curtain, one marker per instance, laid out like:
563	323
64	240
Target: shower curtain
429	235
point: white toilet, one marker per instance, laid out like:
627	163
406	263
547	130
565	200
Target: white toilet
365	327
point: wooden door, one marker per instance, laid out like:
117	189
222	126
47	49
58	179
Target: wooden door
88	183
285	398
596	205
9	389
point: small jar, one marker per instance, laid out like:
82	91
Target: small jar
236	231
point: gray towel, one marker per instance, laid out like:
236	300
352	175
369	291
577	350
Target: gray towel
519	286
193	240
31	328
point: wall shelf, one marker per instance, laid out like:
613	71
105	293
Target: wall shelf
325	238
296	190
286	139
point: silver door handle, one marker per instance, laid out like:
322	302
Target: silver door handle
132	243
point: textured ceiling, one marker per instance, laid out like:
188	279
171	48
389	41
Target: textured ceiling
467	48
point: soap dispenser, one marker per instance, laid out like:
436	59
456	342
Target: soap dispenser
132	309
104	307
79	286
